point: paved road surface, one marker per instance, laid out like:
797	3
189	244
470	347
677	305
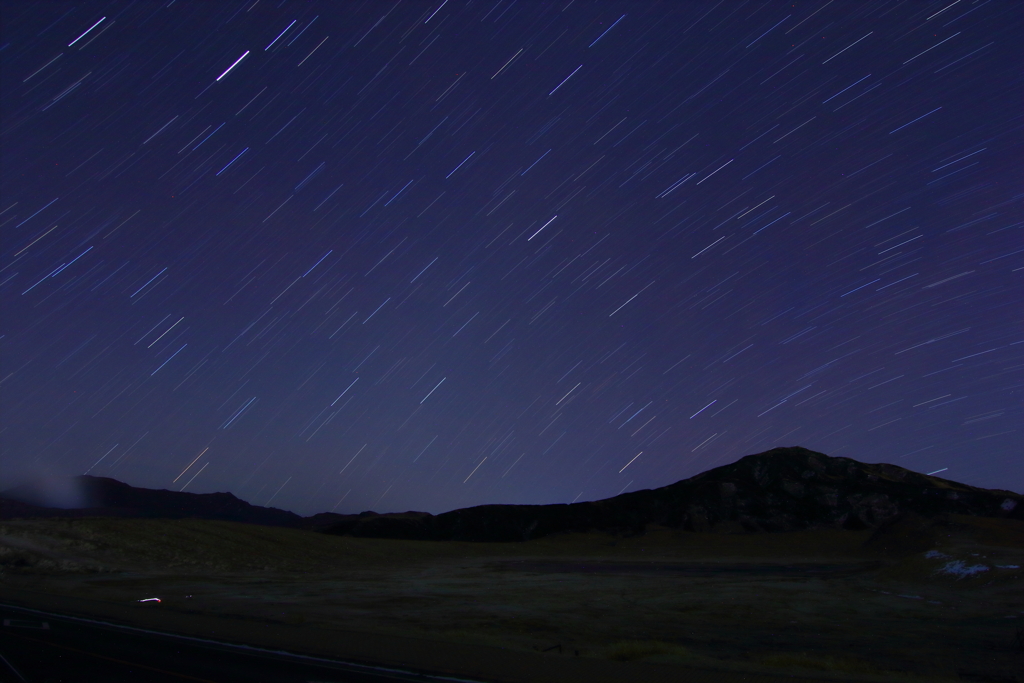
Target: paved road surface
42	647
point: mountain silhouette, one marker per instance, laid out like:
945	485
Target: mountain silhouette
784	489
87	496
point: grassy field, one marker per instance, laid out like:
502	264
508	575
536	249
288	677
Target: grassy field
918	603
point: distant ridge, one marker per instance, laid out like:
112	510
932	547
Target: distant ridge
784	489
103	497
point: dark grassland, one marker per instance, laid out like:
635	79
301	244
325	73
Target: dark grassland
902	603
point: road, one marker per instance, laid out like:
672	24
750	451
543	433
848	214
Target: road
44	647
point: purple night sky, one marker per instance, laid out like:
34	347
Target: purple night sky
425	256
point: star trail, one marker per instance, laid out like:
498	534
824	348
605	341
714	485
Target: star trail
410	255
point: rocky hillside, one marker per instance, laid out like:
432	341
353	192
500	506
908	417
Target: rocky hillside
784	489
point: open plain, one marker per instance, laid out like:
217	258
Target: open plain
923	600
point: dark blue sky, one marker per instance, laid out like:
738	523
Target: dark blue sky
431	255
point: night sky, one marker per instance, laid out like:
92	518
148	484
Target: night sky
392	256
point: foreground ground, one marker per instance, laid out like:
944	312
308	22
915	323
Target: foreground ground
40	646
945	603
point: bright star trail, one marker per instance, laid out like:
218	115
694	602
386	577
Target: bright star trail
422	256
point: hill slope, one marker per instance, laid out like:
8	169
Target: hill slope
784	489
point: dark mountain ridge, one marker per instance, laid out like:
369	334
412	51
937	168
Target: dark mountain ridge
784	489
87	496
